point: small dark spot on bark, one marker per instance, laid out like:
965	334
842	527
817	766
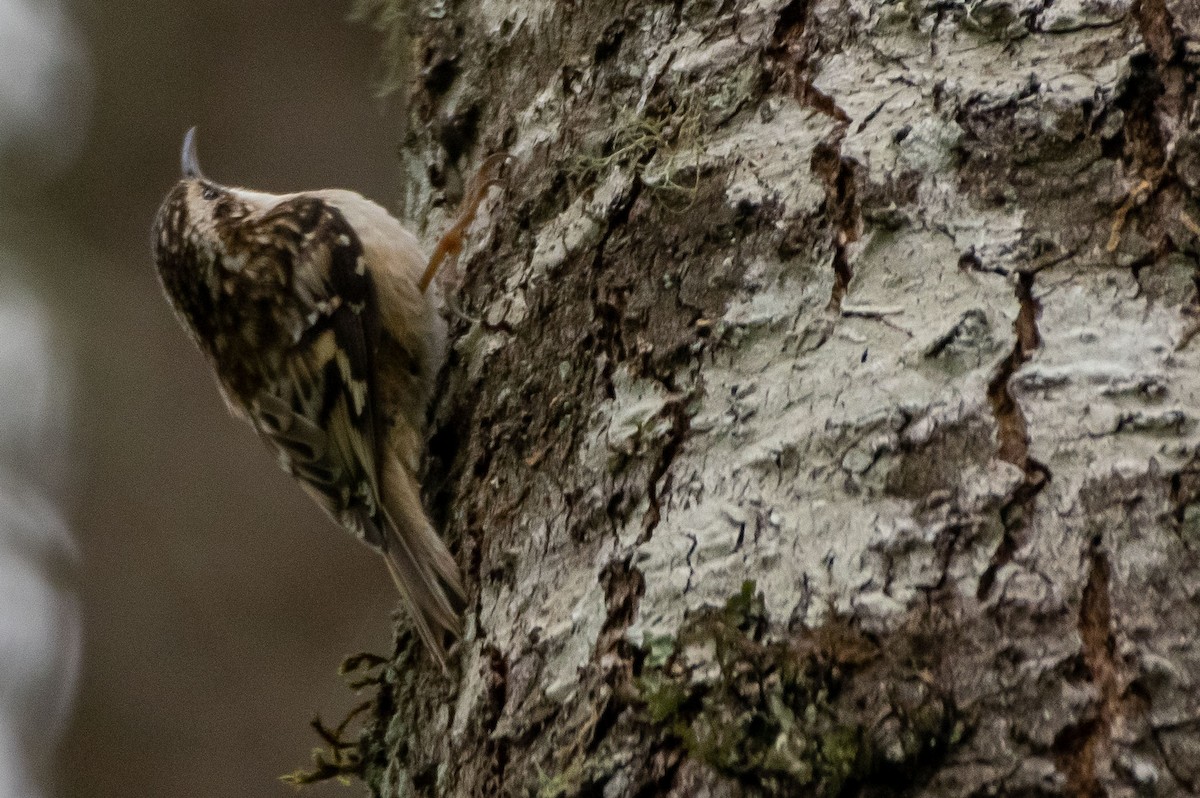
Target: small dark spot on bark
458	132
970	260
609	44
439	76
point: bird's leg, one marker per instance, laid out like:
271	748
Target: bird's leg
451	242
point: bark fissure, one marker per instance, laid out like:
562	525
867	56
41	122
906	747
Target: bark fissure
1081	748
788	72
496	748
659	482
842	211
1159	107
1012	432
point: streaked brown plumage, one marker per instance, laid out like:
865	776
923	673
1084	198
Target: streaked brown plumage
312	311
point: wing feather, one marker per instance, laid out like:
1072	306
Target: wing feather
317	407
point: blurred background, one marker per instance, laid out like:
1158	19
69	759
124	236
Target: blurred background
173	609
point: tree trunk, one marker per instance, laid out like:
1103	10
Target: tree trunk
830	423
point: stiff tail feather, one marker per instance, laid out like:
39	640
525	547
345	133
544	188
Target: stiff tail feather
431	600
421	566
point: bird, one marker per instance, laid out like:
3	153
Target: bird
319	315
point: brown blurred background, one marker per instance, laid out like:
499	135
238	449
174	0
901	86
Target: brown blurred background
217	600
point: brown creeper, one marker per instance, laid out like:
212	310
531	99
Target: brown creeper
313	310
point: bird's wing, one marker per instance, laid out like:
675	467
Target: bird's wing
314	401
319	407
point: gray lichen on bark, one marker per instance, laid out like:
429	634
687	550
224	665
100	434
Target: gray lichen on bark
830	425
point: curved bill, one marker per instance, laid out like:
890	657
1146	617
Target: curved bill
189	161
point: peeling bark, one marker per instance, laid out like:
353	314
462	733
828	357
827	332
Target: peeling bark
829	425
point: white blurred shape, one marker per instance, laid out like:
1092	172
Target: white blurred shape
40	641
45	83
25	377
40	637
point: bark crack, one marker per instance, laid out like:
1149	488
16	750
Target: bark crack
1080	748
496	747
695	543
609	307
1012	433
1155	102
659	481
841	207
788	72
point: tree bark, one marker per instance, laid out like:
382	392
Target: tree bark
829	426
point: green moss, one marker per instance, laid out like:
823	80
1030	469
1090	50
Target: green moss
660	145
581	776
658	650
561	784
346	755
802	715
663	696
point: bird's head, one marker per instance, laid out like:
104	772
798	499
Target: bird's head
198	213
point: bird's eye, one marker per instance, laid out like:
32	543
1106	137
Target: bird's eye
210	193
